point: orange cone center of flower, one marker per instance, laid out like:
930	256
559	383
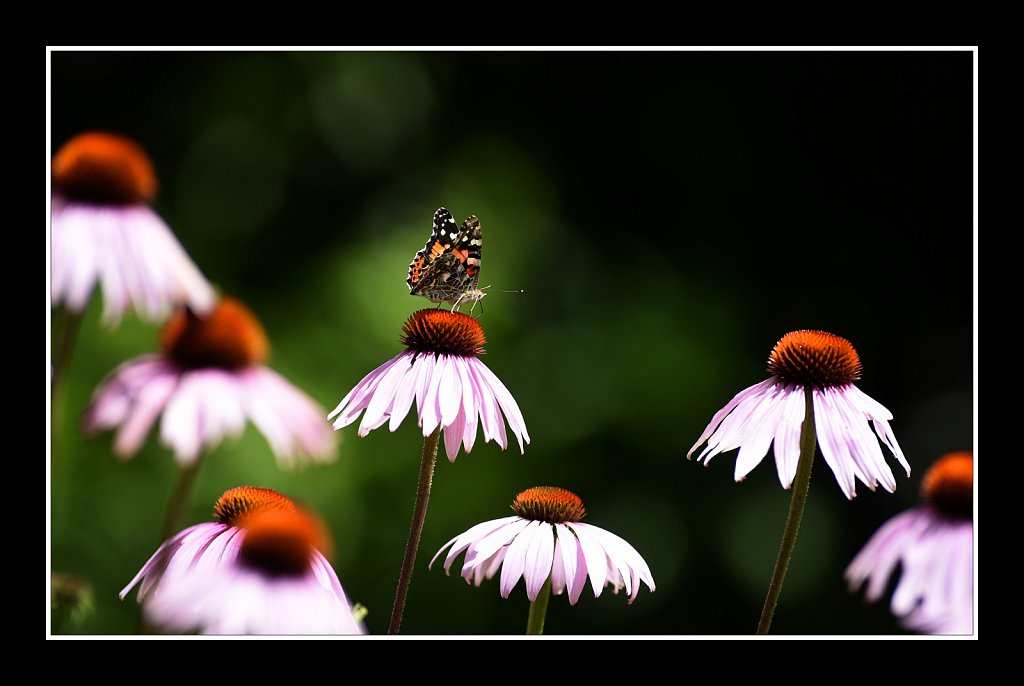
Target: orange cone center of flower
230	337
103	168
440	331
280	542
814	358
549	504
949	484
244	501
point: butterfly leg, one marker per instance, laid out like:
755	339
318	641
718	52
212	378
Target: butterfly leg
458	302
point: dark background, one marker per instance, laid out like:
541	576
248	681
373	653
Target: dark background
669	215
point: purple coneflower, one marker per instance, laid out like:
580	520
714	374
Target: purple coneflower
206	382
454	392
934	546
547	545
453	389
103	231
810	397
773	410
257	569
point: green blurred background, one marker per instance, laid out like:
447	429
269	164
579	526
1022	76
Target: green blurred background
669	215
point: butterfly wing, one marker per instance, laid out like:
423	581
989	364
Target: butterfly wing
442	237
469	246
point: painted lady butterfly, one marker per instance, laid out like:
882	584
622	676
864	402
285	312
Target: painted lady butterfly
447	269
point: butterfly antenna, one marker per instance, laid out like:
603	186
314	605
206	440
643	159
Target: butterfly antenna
501	290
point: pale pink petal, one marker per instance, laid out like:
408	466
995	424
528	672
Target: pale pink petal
623	558
505	400
594	556
147	406
766	423
488	545
130	252
359	397
467	538
490	567
384	396
787	441
158	560
538	559
293	424
429	415
515	558
181	428
453	436
470	409
114	397
732	432
754	390
406	392
572	561
557	569
485	404
880	417
833	446
863	443
449	393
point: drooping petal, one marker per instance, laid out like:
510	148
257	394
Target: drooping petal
292	423
430	415
754	390
538	559
624	558
146	407
787	442
594	556
515	558
732	431
572	561
493	545
356	400
467	538
505	400
833	444
453	434
406	392
765	423
131	253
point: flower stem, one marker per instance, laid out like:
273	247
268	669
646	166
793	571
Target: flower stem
419	516
801	485
539	610
180	497
65	333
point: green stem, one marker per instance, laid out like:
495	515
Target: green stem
65	333
801	485
539	610
419	516
180	497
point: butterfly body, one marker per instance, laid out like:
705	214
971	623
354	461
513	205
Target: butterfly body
447	269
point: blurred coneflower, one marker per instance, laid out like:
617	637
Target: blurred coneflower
933	545
259	568
209	378
104	231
